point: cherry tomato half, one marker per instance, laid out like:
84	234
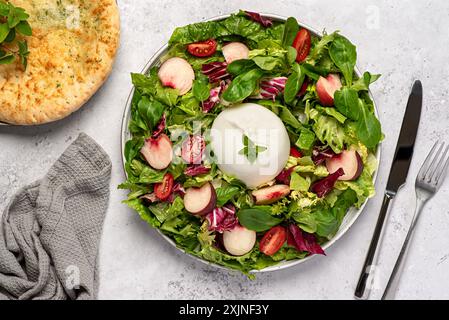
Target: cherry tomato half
302	44
202	48
273	240
164	189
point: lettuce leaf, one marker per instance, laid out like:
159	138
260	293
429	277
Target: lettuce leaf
325	221
363	186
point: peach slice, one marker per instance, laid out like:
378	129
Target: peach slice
200	201
239	241
351	163
235	51
326	87
158	152
177	73
271	194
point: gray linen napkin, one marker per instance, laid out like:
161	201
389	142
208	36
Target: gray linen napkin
50	231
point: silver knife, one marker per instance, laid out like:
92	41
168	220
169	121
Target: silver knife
398	176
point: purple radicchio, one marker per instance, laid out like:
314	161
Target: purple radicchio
266	22
160	127
178	190
214	97
284	176
222	219
302	240
215	71
319	155
271	88
196	170
324	186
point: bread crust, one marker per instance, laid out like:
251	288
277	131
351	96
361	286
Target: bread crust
72	51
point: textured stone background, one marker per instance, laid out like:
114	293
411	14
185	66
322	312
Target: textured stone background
403	41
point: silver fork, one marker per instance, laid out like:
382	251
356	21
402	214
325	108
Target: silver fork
428	181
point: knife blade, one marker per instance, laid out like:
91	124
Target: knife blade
406	142
397	178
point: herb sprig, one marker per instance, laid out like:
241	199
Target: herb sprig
13	21
251	150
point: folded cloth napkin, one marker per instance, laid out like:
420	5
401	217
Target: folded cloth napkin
50	231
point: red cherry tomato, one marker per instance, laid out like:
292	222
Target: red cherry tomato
273	240
202	48
164	189
295	152
302	44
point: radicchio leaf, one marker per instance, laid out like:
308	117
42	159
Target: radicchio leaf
178	190
214	97
222	219
324	186
302	240
160	127
319	156
215	71
284	176
271	88
266	22
196	170
149	198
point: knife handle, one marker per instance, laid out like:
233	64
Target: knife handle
362	290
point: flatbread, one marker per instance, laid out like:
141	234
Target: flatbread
72	50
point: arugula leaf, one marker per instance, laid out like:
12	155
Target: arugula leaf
320	48
333	113
294	83
201	88
368	128
291	55
257	220
344	55
346	101
242	86
362	84
290	30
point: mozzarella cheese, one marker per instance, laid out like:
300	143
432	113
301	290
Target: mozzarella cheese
264	129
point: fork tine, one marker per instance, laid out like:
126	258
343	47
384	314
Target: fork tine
426	165
437	161
433	163
443	166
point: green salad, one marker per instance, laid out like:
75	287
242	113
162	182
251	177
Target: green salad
248	65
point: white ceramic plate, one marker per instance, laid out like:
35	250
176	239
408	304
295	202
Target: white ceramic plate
350	217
